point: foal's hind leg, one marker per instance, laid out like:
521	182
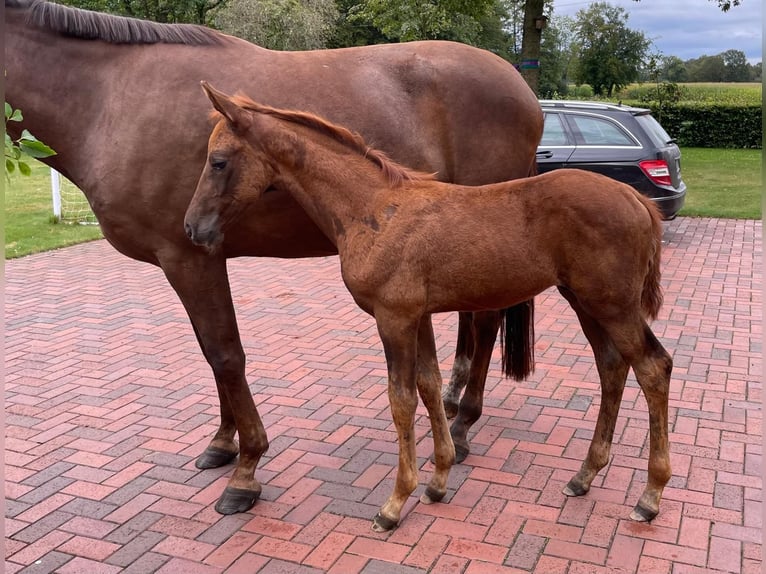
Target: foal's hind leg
429	383
485	326
652	365
613	371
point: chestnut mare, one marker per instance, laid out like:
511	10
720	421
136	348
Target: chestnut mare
137	154
411	246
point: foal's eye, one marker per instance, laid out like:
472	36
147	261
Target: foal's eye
218	164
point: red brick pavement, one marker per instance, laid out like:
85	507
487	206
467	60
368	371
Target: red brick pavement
108	401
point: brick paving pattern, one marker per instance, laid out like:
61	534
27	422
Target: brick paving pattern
108	401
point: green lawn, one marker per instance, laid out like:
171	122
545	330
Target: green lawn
29	226
720	183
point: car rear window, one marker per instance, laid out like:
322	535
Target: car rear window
598	131
553	131
654	130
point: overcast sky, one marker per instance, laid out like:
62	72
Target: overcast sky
688	28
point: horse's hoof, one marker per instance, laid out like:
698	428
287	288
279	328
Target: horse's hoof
432	495
382	524
235	500
641	514
214	457
461	452
574	489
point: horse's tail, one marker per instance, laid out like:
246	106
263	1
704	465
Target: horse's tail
517	332
651	295
517	338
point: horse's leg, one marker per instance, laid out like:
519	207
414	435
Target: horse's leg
399	336
429	383
485	326
202	284
461	367
613	371
652	365
618	343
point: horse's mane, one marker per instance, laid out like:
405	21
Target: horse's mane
394	172
89	25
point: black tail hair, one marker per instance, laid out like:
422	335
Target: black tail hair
517	337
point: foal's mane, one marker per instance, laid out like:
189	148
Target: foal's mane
394	172
89	25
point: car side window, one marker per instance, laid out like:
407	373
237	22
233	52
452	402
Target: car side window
553	131
597	131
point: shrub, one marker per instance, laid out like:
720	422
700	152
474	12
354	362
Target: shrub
711	125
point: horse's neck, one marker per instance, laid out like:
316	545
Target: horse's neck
337	190
53	81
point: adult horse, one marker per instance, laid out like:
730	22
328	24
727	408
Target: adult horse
401	237
440	107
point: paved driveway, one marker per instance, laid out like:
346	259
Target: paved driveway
108	401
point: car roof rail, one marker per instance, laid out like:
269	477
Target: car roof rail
589	105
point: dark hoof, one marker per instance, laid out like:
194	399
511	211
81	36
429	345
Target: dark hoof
461	452
235	500
382	524
574	488
214	458
432	495
641	514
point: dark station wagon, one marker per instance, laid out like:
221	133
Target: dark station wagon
622	142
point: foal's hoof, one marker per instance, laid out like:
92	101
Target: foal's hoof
214	457
235	500
574	488
382	524
432	495
641	514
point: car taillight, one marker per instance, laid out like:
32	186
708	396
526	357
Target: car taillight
657	170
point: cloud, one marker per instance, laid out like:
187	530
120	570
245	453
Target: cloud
688	28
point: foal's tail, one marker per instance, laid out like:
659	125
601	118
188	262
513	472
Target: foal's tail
517	338
651	295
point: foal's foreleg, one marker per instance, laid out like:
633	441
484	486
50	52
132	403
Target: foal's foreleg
429	383
201	282
399	337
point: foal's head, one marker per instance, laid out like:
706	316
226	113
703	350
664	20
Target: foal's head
237	172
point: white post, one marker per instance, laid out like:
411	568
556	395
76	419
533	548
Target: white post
56	193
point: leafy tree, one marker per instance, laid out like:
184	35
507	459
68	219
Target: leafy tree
706	69
26	144
404	20
737	67
610	53
191	11
279	24
673	69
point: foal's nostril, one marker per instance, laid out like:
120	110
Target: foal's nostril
189	231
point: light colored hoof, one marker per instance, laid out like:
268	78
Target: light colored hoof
568	491
637	517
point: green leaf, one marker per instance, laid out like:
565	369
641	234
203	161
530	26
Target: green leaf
16	116
24	168
8	110
27	136
36	149
10	167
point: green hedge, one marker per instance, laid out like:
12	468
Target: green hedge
702	124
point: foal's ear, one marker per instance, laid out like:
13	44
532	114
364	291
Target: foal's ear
235	114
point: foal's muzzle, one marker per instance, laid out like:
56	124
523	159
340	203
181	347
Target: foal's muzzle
204	231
